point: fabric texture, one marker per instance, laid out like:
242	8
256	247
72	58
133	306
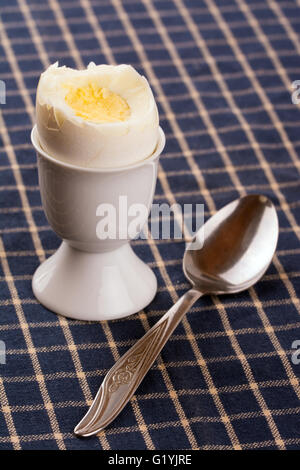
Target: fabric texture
221	72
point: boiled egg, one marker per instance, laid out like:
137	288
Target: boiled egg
103	117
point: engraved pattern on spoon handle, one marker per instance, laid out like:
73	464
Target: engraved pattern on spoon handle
124	377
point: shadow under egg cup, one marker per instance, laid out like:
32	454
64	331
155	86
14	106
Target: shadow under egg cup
89	278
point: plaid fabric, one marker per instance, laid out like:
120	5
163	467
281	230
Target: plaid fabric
221	72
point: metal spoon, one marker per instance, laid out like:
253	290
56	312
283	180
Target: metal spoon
239	243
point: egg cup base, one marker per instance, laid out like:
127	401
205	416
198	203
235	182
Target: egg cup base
94	286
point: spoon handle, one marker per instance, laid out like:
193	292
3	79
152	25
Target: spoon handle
124	377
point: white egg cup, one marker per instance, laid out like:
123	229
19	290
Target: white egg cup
88	278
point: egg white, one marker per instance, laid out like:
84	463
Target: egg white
72	139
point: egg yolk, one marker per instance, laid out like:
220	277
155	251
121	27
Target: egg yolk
97	104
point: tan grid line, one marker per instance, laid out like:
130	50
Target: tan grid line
150	30
136	242
167	12
169	80
20	186
173	28
269	174
72	347
165	375
192	132
33	229
154	47
217	170
196	419
273	55
282	19
148	67
68	37
156	313
190	363
250	446
203	78
251	75
146	396
45	228
233	74
237	147
269	330
171	262
145	323
134	402
286	364
7	413
34	35
62	321
177	96
215	419
205	191
155	62
205	419
268	105
100	36
39	377
212	42
249	110
236	183
107	331
25	166
15	71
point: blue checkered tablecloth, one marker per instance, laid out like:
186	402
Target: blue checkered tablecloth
221	71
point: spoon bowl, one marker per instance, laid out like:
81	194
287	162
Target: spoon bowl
233	249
